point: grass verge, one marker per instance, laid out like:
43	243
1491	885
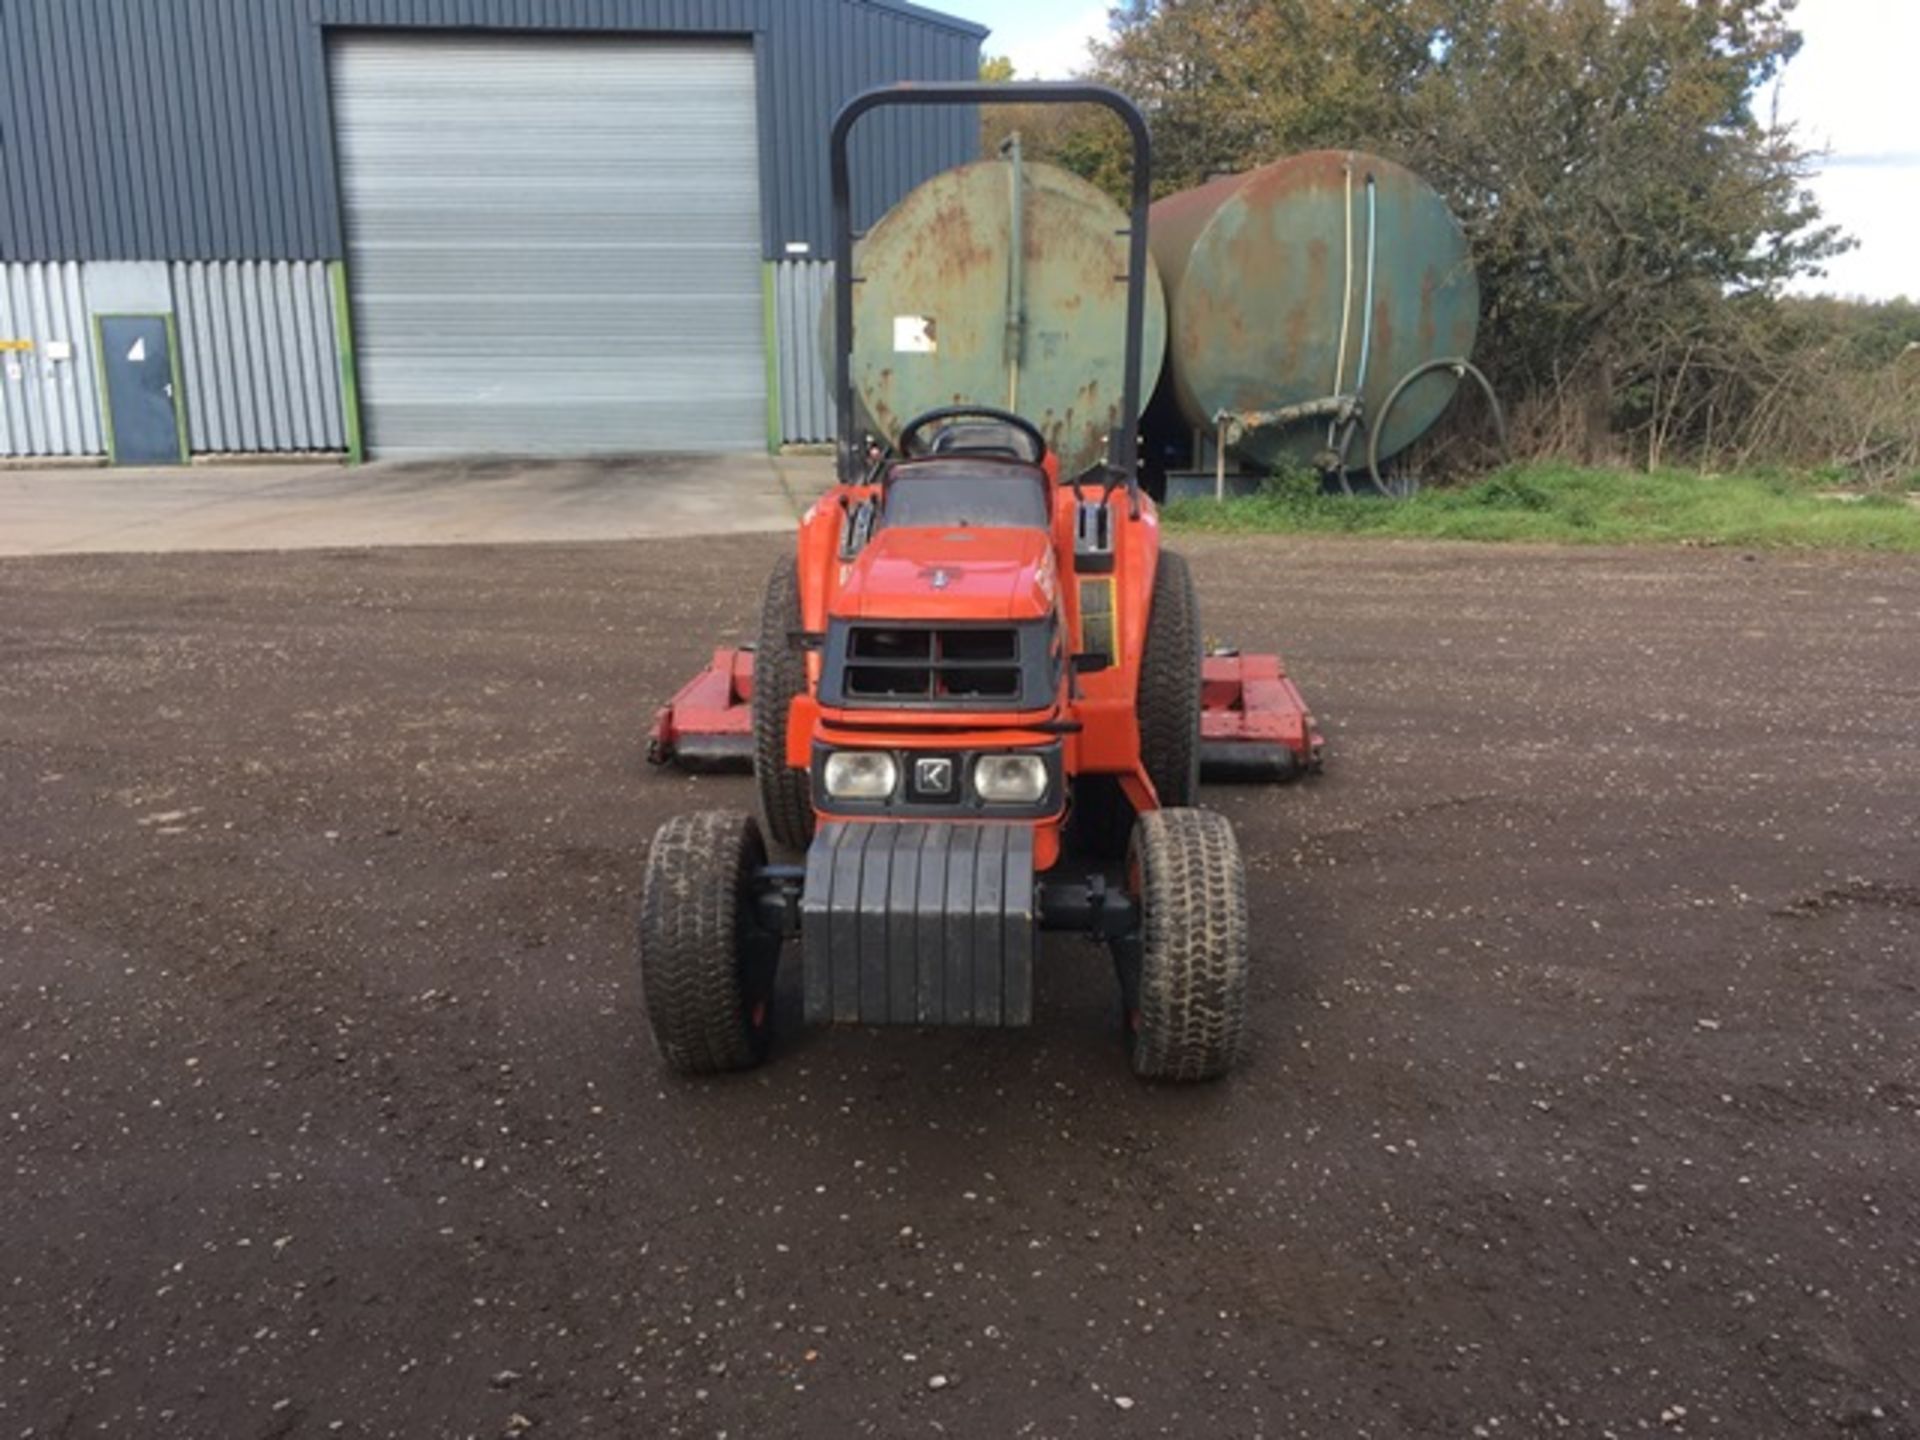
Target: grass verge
1595	507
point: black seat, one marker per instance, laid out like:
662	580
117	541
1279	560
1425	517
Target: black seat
983	437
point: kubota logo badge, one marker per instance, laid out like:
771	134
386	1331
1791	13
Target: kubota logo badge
939	577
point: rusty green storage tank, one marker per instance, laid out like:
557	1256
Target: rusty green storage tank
1001	283
1323	275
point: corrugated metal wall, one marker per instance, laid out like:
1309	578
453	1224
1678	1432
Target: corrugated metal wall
815	58
201	130
802	292
47	406
258	360
258	357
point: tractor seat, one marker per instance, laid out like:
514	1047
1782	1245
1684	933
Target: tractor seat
983	437
941	492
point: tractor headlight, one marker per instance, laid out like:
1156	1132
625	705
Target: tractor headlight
859	775
1010	779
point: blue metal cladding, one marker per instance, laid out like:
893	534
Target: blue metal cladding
201	129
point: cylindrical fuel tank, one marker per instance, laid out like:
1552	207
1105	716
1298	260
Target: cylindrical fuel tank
1263	270
947	311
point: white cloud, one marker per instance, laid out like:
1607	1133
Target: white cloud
1879	205
1849	91
1853	77
1044	41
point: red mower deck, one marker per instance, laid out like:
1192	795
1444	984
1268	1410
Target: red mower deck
1254	723
709	722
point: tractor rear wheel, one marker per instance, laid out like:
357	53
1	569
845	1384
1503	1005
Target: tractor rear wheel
1169	698
1188	1011
706	966
779	674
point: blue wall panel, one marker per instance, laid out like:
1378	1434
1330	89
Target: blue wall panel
201	129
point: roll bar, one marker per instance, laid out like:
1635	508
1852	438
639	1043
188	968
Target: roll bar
1122	450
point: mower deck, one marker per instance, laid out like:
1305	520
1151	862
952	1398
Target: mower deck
1254	723
708	725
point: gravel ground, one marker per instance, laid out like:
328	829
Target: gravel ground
1585	1094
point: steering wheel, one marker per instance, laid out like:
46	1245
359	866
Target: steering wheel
910	434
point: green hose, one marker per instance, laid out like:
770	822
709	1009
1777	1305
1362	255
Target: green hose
1459	365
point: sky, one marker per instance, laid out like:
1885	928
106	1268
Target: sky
1844	93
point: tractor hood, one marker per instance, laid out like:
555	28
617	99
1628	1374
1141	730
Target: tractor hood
972	573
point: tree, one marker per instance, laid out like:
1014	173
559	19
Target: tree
1080	137
1621	190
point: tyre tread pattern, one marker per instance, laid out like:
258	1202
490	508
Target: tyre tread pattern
1192	1004
1169	699
779	674
693	942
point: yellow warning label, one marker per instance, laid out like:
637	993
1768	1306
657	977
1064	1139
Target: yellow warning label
16	344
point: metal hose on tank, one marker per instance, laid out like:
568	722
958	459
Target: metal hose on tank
1459	365
1346	299
1366	328
1366	306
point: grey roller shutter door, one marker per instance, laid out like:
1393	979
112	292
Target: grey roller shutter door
553	244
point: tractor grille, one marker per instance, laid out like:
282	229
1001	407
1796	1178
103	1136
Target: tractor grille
891	664
981	667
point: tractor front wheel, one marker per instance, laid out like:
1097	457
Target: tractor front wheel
706	966
1187	1012
779	674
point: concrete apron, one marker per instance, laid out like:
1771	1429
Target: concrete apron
281	506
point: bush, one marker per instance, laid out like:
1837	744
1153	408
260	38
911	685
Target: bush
1633	211
1295	485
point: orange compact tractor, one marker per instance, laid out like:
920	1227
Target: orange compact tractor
979	705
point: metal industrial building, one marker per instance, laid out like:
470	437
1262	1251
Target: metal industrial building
425	227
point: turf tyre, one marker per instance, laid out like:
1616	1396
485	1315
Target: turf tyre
706	968
1188	1015
779	674
1168	705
